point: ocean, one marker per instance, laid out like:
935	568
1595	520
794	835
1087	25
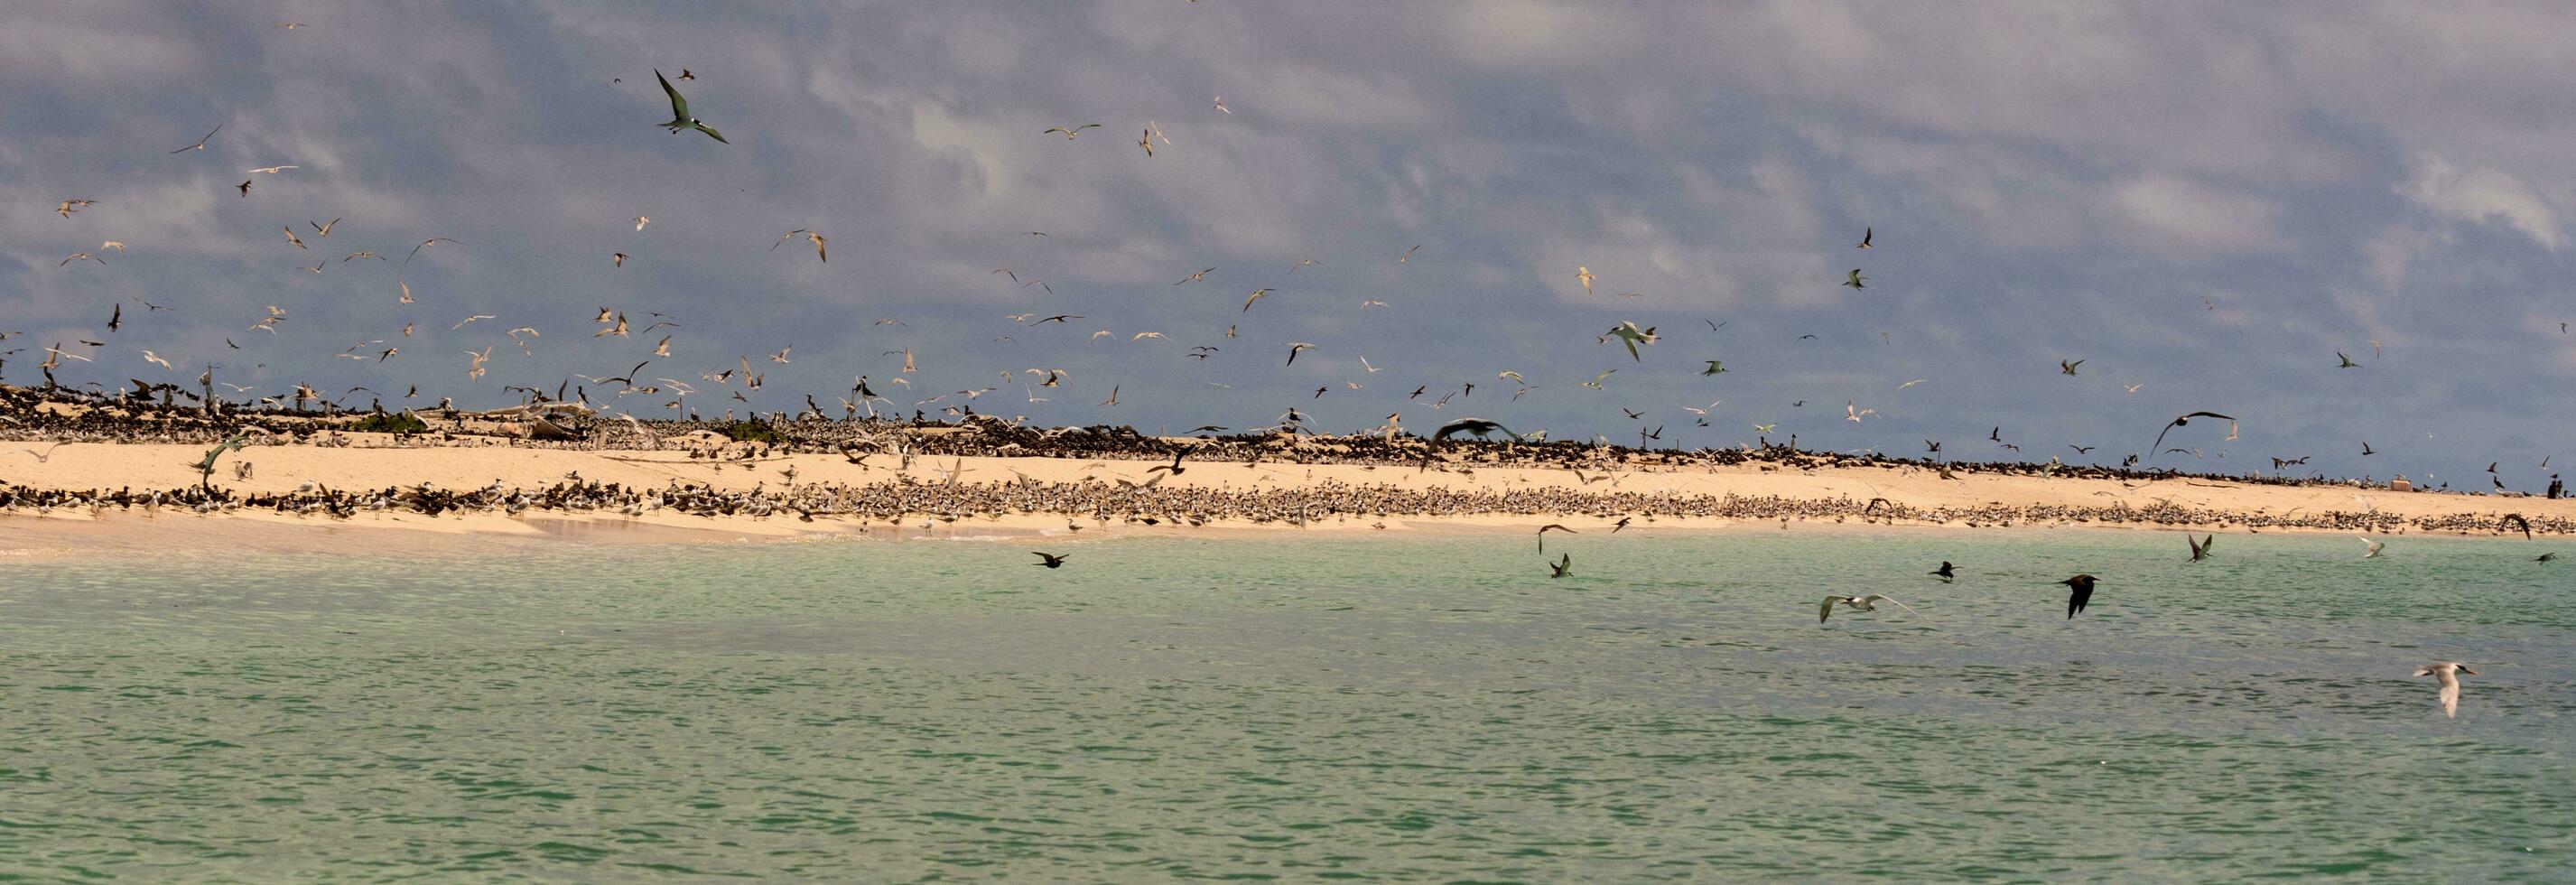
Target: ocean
1326	705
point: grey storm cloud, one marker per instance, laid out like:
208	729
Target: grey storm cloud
2207	200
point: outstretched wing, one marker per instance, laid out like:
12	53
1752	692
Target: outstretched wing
711	132
1909	609
679	106
1826	612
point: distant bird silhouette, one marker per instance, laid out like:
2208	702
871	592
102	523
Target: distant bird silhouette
2371	548
1855	280
1944	572
1563	565
2200	548
1052	560
2347	361
1864	237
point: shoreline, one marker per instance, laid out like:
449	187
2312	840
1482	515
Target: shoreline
86	495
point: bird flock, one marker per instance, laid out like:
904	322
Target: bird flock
670	389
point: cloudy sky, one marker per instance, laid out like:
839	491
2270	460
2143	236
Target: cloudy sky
2209	201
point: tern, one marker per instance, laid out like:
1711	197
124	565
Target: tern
680	118
2374	547
2449	672
1857	603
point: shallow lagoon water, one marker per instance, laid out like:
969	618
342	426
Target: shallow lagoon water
1325	706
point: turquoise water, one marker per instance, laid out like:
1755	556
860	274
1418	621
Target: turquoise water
1377	708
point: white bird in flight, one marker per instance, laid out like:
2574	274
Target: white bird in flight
1857	603
2449	672
2375	547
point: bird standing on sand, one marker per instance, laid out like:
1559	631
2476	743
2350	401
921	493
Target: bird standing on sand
2449	673
2081	587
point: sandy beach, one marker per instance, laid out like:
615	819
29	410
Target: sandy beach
733	491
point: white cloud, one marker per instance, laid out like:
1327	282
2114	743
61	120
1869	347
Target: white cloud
2482	196
2184	218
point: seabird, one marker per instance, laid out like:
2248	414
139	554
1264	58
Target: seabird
1944	572
1857	603
2082	587
2449	672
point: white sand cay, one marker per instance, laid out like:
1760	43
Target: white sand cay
1324	495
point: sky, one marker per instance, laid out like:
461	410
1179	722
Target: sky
2209	201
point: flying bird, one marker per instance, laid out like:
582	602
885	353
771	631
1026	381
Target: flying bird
2068	368
1477	427
1295	348
2081	592
424	244
2181	421
1864	237
1052	560
1628	333
1849	414
201	143
292	238
1717	368
680	118
2199	549
1945	572
1857	603
2449	674
1551	527
2347	361
1561	567
1220	104
1855	280
1070	132
2370	548
1257	294
1584	274
272	170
